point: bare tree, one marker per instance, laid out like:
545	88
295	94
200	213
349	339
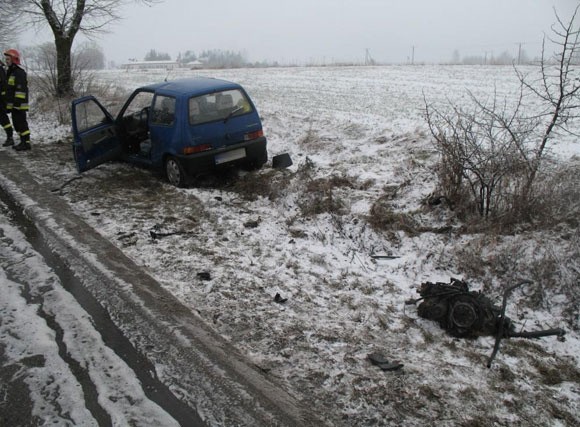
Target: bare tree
66	18
89	55
42	58
557	88
9	10
492	153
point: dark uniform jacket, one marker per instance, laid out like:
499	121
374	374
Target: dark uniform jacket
16	89
2	86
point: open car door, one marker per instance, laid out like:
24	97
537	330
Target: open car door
95	135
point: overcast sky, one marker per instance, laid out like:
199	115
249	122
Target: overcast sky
323	31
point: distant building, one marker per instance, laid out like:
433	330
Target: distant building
150	65
194	65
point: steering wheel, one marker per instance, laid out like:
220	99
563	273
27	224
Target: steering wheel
143	116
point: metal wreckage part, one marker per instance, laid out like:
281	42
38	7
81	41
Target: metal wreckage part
470	314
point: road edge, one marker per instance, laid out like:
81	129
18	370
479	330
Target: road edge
224	385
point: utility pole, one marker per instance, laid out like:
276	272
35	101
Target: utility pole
412	55
368	58
519	53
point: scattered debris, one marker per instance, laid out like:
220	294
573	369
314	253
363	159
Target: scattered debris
252	224
437	199
380	360
281	161
59	189
123	236
156	235
385	256
279	299
470	314
204	275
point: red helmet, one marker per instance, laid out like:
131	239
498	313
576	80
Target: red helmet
14	54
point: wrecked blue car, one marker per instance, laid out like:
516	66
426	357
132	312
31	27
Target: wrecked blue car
184	128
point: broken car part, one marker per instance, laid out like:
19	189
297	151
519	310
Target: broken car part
469	314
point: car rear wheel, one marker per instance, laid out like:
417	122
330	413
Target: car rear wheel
174	172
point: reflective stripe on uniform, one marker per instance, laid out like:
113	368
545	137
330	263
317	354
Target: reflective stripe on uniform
26	132
8	126
20	95
21	107
12	81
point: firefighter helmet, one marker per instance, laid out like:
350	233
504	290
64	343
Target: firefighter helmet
14	54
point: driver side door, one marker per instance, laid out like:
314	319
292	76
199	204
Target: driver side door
95	139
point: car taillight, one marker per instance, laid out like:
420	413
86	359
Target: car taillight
196	149
253	135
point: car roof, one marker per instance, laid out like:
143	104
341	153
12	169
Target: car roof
192	86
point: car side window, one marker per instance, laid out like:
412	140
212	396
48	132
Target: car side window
89	115
163	112
218	106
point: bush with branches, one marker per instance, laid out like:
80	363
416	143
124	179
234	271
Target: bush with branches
493	154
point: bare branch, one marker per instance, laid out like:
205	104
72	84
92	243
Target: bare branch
66	18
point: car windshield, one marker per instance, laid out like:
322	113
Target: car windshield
218	106
139	101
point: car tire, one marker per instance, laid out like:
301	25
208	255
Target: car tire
174	172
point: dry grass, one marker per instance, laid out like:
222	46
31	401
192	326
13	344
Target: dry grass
557	196
270	183
384	217
323	195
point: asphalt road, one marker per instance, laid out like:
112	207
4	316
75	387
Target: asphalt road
180	362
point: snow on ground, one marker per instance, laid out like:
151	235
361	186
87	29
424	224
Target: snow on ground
32	351
357	137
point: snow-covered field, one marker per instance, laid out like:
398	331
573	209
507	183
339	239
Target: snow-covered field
357	136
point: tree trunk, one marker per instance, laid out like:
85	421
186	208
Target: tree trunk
63	39
64	84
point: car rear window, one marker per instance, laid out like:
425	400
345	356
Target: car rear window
218	106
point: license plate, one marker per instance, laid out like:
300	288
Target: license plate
229	156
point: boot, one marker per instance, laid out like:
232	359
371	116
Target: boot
9	141
23	146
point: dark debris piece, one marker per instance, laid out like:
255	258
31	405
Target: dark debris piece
279	299
156	235
393	366
383	363
123	236
204	275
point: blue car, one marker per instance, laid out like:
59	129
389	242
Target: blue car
185	128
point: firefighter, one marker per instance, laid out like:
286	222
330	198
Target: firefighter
17	97
4	120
